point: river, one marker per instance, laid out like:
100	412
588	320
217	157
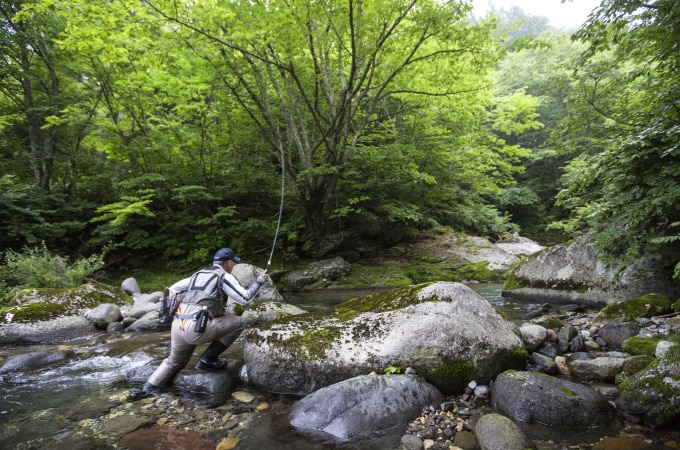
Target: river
38	405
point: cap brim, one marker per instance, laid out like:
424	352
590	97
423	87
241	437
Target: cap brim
237	259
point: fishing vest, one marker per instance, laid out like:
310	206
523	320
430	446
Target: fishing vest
196	294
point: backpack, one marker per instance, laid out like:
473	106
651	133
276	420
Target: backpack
169	306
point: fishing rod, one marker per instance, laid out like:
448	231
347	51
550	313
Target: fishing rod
278	223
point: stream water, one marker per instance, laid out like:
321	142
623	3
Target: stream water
37	403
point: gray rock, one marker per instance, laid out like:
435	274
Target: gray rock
411	442
364	405
153	297
465	440
532	397
652	396
146	323
533	336
564	337
104	314
497	432
603	368
60	329
262	312
246	274
542	363
33	360
662	348
318	274
549	349
572	272
140	309
303	353
614	333
130	286
115	326
212	388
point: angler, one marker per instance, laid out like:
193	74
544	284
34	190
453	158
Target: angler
201	319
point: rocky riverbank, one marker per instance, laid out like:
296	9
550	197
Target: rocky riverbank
251	418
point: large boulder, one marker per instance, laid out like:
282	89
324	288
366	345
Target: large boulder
55	315
316	275
445	331
33	360
574	273
246	274
267	311
532	397
364	405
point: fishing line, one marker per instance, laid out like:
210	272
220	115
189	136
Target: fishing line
278	224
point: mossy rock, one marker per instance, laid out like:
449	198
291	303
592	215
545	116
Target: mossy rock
451	376
628	310
390	274
650	394
552	321
35	305
637	345
634	365
388	328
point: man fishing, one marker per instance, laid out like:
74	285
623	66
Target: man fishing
201	319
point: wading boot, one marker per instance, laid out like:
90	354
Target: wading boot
147	390
209	360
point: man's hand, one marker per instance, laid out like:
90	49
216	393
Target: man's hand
262	279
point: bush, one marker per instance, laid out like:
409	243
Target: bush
38	268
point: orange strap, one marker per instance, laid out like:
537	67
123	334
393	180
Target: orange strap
181	321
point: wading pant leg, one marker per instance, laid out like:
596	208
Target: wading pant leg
224	329
180	354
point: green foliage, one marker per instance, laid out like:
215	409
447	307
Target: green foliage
543	69
117	212
38	268
392	370
626	187
167	135
28	215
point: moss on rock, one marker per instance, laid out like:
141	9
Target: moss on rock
34	305
649	387
634	365
511	282
451	376
628	310
637	345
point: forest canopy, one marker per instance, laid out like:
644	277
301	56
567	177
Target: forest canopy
158	128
